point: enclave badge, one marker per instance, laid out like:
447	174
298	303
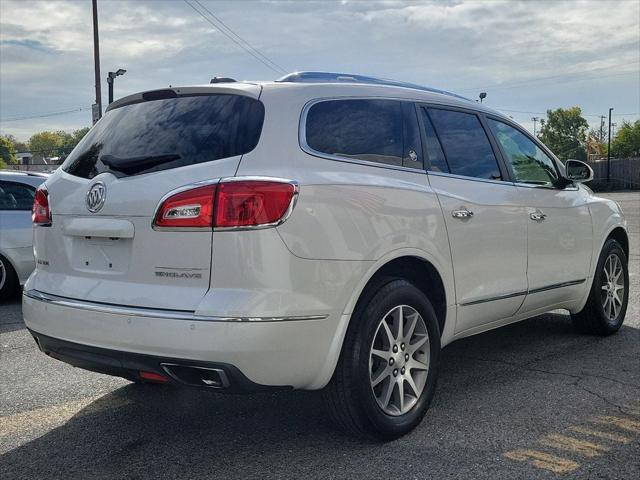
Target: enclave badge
96	197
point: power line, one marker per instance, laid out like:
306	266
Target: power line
497	86
44	115
222	28
258	52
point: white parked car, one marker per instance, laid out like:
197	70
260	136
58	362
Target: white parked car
16	231
323	231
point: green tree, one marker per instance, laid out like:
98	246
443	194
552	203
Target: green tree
45	144
70	140
626	143
17	144
565	133
7	152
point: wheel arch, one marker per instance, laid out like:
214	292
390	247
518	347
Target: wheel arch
620	235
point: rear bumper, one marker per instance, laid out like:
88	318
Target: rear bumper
255	353
131	365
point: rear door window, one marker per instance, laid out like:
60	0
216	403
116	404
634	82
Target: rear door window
373	130
168	133
16	196
466	145
437	161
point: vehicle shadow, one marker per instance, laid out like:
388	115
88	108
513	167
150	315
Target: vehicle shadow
11	318
164	432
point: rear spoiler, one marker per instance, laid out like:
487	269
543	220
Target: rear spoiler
251	90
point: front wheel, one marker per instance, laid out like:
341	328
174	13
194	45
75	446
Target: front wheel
606	307
386	375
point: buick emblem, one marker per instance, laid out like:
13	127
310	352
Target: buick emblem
96	197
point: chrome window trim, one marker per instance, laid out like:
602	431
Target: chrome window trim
473	179
184	188
154	312
304	146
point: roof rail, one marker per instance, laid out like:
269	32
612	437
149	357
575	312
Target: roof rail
332	77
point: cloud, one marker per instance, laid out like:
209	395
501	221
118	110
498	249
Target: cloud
46	49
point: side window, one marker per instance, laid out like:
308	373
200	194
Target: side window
434	151
16	196
412	156
370	130
529	163
465	143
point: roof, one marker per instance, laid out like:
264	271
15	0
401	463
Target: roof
31	178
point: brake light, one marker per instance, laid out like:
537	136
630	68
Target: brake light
251	203
189	209
229	204
40	212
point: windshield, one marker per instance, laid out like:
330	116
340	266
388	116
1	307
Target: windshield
168	133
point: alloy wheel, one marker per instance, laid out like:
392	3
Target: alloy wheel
612	289
3	274
399	360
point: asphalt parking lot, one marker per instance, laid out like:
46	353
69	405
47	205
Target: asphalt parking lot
531	400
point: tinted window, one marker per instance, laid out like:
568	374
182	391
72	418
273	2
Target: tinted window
437	162
16	196
465	144
168	133
529	163
412	147
370	130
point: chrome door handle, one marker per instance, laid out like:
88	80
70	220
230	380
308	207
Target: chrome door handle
537	216
462	213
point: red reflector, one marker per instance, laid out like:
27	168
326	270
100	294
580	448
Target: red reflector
40	213
249	203
153	377
190	209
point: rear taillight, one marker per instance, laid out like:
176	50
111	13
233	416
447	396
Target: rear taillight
252	203
189	209
40	212
230	204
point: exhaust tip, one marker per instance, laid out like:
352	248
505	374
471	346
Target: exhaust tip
197	376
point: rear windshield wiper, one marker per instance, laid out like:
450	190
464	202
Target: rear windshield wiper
133	165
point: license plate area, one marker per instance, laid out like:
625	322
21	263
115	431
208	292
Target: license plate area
100	254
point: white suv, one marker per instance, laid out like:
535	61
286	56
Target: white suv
323	231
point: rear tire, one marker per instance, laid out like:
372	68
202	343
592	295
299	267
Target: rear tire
381	388
606	306
8	279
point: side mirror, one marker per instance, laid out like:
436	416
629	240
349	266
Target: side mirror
577	171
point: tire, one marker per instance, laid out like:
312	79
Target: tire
352	400
8	279
604	311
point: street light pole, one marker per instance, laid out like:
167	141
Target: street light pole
110	78
609	149
97	113
535	119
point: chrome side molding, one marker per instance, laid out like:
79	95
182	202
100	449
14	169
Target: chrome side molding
153	312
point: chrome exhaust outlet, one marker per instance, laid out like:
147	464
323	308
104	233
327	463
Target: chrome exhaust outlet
197	376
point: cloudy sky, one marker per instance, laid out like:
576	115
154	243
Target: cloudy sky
528	56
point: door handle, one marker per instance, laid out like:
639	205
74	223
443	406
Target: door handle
462	213
537	216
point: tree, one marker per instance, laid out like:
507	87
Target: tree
45	144
70	140
7	152
17	144
565	133
626	143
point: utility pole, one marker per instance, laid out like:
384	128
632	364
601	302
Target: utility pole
535	119
609	149
613	129
97	107
601	128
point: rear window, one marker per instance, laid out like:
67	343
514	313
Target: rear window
380	131
16	196
168	133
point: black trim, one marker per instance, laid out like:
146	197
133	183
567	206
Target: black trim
501	297
128	365
558	285
525	292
